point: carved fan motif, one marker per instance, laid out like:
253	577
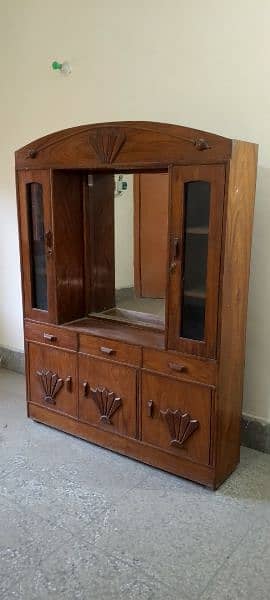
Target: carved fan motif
180	425
106	402
107	142
50	383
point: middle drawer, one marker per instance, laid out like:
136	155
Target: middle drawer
111	349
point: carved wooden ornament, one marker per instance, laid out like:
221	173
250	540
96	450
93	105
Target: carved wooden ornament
180	425
107	403
106	143
51	384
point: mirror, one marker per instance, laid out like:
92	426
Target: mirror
139	218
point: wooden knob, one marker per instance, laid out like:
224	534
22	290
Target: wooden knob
106	350
32	153
49	338
150	406
69	383
201	144
85	388
176	367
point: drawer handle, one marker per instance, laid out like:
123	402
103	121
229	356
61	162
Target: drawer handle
49	338
85	388
106	350
176	367
69	383
150	406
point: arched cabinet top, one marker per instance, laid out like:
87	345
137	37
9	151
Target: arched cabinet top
124	145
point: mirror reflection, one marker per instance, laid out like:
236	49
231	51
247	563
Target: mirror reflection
140	249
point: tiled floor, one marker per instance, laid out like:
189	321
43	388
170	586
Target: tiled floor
78	522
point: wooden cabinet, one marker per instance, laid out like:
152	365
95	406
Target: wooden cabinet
53	379
135	245
195	251
35	214
51	224
108	395
176	416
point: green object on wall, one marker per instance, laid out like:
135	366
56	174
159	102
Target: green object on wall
56	65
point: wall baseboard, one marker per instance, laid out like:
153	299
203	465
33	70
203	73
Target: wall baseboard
255	434
12	359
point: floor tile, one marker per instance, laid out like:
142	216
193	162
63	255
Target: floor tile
177	537
80	522
246	574
86	573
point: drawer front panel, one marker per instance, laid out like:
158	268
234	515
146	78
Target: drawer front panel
53	379
51	335
107	396
186	368
110	349
176	416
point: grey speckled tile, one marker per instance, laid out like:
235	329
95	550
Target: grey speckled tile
249	485
26	541
80	522
177	537
246	574
96	575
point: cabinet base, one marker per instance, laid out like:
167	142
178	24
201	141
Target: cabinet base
132	448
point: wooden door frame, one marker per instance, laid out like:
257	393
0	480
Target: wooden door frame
215	174
42	176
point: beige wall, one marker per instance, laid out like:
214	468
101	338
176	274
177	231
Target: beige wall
203	63
124	238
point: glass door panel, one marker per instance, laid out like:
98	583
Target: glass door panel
37	246
195	228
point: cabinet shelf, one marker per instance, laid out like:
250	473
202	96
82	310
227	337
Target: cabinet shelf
197	230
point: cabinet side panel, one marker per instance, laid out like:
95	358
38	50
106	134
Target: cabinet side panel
101	232
234	297
68	244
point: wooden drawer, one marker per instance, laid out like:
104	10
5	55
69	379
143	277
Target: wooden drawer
107	396
111	349
53	379
182	367
176	416
51	335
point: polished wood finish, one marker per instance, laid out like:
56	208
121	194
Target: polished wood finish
234	296
171	402
151	206
113	350
156	457
63	223
67	207
43	177
180	366
43	364
118	379
215	175
119	331
101	233
146	144
168	394
52	335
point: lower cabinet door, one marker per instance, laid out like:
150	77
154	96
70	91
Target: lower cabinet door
53	378
107	397
176	416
